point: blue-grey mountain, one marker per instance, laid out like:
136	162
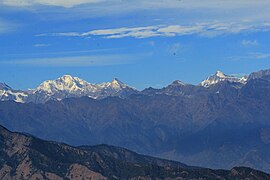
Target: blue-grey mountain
27	157
221	123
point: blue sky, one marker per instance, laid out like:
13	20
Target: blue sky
143	43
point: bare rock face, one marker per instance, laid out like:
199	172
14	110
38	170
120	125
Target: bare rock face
26	157
78	172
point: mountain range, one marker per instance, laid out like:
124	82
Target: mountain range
26	157
221	123
65	87
68	86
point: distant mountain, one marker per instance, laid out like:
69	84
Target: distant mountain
65	87
220	126
4	87
68	86
259	74
8	94
213	84
220	76
26	157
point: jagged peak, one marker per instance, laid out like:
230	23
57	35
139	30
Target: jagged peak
117	81
114	84
220	74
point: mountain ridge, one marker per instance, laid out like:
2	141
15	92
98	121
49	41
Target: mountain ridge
26	157
226	124
65	87
68	86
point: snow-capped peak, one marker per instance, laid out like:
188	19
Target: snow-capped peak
177	83
69	86
219	77
115	84
64	83
220	74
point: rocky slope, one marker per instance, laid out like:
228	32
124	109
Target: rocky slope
26	157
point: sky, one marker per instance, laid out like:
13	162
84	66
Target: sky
142	43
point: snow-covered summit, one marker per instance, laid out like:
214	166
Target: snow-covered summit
116	84
219	77
65	83
69	86
7	94
220	74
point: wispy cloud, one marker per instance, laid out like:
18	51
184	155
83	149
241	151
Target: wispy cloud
142	4
249	42
239	75
41	45
250	56
77	61
261	55
61	53
203	29
248	14
5	26
63	3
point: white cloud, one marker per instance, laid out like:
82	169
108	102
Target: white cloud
139	32
202	29
142	4
182	17
249	42
180	30
63	3
60	53
77	61
60	34
163	10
